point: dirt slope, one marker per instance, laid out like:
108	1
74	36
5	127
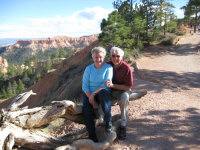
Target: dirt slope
168	117
59	84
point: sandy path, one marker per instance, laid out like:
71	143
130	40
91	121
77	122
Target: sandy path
168	117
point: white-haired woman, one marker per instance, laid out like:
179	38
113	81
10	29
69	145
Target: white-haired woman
95	92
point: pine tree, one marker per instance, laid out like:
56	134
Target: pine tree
54	55
30	72
15	87
27	62
35	61
11	71
20	87
38	77
9	90
49	64
1	75
70	52
62	53
115	31
4	93
20	71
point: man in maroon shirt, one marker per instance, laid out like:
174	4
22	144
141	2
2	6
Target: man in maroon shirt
121	84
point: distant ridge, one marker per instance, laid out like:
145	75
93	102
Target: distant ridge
55	42
10	41
41	48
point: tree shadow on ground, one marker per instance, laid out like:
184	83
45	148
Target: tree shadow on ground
179	50
184	50
171	79
141	85
168	130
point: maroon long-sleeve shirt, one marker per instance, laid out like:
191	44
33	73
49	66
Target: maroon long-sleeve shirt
122	74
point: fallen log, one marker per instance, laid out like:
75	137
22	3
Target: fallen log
22	126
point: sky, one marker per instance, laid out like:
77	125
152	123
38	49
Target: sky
47	18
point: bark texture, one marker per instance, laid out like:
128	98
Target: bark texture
22	126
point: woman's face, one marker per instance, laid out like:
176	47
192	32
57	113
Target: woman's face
98	59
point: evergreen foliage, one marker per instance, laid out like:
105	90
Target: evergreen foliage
30	72
20	87
130	27
62	53
28	76
192	12
9	90
3	93
48	65
54	55
38	77
35	61
15	87
70	52
11	71
20	71
27	62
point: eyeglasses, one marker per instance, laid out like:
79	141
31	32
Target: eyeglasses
114	56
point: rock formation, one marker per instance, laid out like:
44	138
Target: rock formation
3	65
55	42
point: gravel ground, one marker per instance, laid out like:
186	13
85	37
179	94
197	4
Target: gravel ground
168	117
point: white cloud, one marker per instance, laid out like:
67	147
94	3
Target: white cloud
85	22
179	13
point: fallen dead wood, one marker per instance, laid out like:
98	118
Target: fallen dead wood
22	126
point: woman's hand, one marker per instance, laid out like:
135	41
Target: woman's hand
92	101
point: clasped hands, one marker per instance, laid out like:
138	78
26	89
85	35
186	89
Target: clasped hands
92	95
92	100
108	83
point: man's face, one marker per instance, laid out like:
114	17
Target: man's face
116	58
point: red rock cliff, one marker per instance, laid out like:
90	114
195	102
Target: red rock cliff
56	42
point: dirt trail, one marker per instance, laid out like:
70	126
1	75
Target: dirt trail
168	117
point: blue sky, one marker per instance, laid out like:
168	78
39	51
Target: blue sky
47	18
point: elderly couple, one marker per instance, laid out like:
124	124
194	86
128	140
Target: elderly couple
101	81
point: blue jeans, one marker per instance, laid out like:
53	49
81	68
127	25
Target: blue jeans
103	98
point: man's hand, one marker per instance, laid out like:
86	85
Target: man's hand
108	83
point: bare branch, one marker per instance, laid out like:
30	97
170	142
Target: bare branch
20	99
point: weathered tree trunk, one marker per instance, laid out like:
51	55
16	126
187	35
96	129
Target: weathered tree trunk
21	126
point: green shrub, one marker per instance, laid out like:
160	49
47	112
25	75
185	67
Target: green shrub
139	45
180	32
168	40
171	26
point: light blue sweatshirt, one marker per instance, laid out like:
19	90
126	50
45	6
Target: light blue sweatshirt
93	78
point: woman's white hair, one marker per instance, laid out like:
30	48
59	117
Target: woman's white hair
114	49
96	50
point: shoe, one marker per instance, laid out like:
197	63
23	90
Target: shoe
108	126
94	138
122	133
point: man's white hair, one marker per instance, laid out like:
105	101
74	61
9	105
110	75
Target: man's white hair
114	49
